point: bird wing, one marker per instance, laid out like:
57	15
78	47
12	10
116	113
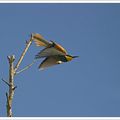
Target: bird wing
46	52
40	41
48	62
59	47
51	48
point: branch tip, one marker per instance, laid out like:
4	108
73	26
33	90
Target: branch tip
32	35
11	58
8	57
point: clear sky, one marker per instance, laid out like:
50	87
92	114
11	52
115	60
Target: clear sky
88	85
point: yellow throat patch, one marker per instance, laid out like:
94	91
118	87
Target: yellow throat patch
69	58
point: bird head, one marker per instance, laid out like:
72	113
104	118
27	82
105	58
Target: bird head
69	57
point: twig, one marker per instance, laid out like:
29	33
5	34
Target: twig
6	82
23	53
25	68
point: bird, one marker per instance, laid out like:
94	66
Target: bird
53	52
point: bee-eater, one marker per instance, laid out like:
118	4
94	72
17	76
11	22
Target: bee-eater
54	53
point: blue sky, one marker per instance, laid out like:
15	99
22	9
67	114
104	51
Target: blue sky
88	85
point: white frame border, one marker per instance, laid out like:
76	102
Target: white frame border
60	118
63	1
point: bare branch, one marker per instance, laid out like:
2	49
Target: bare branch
12	72
11	86
25	68
24	52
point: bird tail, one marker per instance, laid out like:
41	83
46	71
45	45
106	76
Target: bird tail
40	41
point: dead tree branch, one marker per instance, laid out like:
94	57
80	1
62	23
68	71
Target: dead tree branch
12	72
23	53
11	85
25	68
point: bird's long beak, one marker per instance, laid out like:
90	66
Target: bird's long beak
75	56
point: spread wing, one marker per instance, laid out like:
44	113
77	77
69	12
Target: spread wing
48	62
48	52
40	41
51	48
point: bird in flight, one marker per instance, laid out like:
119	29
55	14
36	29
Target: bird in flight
53	52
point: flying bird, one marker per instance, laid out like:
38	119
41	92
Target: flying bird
53	52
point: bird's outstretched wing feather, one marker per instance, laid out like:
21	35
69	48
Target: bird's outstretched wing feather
48	62
46	52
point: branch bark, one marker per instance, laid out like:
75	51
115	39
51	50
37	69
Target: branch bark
11	85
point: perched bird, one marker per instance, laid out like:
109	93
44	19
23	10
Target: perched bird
53	53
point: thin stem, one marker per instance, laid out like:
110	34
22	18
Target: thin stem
6	82
23	53
25	68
